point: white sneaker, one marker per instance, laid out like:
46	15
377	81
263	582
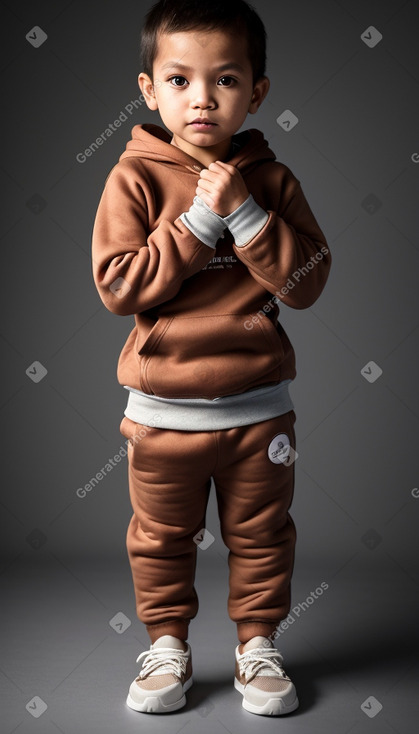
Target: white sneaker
164	678
262	681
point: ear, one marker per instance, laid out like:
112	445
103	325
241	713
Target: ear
260	91
147	88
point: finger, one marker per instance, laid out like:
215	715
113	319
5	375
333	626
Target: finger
205	197
209	175
220	171
205	185
224	166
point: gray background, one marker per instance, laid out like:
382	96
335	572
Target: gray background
65	573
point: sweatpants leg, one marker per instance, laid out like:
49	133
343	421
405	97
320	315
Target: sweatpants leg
169	476
254	494
169	481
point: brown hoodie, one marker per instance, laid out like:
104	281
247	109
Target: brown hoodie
205	320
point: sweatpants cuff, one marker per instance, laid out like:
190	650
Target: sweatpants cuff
175	627
247	630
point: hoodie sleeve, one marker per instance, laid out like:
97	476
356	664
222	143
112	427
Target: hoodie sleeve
133	270
289	256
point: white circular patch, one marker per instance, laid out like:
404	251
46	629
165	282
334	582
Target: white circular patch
279	448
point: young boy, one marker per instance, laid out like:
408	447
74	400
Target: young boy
200	234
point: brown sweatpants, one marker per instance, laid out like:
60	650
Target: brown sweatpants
169	482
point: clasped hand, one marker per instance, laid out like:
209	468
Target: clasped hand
222	188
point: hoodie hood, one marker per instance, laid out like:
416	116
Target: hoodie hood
152	142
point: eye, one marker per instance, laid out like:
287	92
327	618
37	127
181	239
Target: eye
230	79
177	77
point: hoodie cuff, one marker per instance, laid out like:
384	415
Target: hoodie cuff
203	222
246	221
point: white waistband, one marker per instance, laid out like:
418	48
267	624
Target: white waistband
200	414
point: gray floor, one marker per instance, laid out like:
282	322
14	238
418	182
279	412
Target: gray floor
355	641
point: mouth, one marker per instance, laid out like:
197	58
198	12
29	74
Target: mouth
204	124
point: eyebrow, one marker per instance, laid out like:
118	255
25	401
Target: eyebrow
224	67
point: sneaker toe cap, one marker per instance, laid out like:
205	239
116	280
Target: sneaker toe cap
169	691
267	688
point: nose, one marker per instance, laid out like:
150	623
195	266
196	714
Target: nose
202	96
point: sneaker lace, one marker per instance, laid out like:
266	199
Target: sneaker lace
172	660
255	661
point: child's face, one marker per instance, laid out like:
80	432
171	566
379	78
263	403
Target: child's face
202	90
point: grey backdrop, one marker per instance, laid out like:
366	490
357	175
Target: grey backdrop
71	634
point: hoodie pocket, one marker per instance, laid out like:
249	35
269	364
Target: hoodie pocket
210	356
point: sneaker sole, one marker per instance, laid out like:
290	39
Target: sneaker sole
155	705
272	707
